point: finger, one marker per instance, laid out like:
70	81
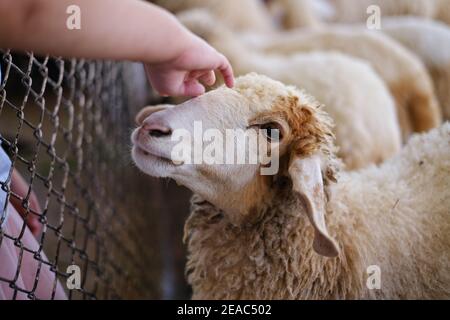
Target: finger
33	224
208	78
33	220
193	88
227	72
194	75
34	203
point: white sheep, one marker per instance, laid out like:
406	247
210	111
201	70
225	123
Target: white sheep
294	14
248	15
367	129
443	11
430	41
403	72
252	236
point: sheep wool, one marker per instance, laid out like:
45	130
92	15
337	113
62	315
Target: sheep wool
443	11
296	13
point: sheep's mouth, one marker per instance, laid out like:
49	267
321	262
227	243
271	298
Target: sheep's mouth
145	153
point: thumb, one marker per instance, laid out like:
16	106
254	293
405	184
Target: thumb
193	88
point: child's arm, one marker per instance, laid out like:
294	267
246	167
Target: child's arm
115	29
20	187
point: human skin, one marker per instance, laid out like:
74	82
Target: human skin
178	63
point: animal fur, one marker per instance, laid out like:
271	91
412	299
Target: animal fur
295	13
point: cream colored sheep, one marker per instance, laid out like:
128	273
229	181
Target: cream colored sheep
443	11
295	13
367	129
404	73
248	15
252	236
430	41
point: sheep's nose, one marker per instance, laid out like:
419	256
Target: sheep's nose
156	130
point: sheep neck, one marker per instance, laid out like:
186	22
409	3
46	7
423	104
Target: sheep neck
271	258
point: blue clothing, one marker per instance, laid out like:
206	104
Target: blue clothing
5	167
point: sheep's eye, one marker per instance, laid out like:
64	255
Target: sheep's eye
272	131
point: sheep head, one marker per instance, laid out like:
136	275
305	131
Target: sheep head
282	120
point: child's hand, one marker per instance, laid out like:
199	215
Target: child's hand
20	187
187	74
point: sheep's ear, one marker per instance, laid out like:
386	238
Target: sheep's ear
307	182
146	111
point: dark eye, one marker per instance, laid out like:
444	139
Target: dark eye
272	131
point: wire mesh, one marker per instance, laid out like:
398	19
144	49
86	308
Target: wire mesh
65	125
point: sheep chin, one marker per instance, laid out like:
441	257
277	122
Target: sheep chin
151	164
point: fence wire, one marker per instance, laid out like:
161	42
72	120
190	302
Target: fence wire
65	125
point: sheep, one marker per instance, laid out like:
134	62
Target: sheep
249	235
367	129
249	15
295	13
430	41
403	72
443	11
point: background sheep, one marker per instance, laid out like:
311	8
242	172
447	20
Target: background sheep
248	15
250	236
443	11
295	13
431	42
404	73
367	130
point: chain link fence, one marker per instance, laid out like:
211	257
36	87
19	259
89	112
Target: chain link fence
65	125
